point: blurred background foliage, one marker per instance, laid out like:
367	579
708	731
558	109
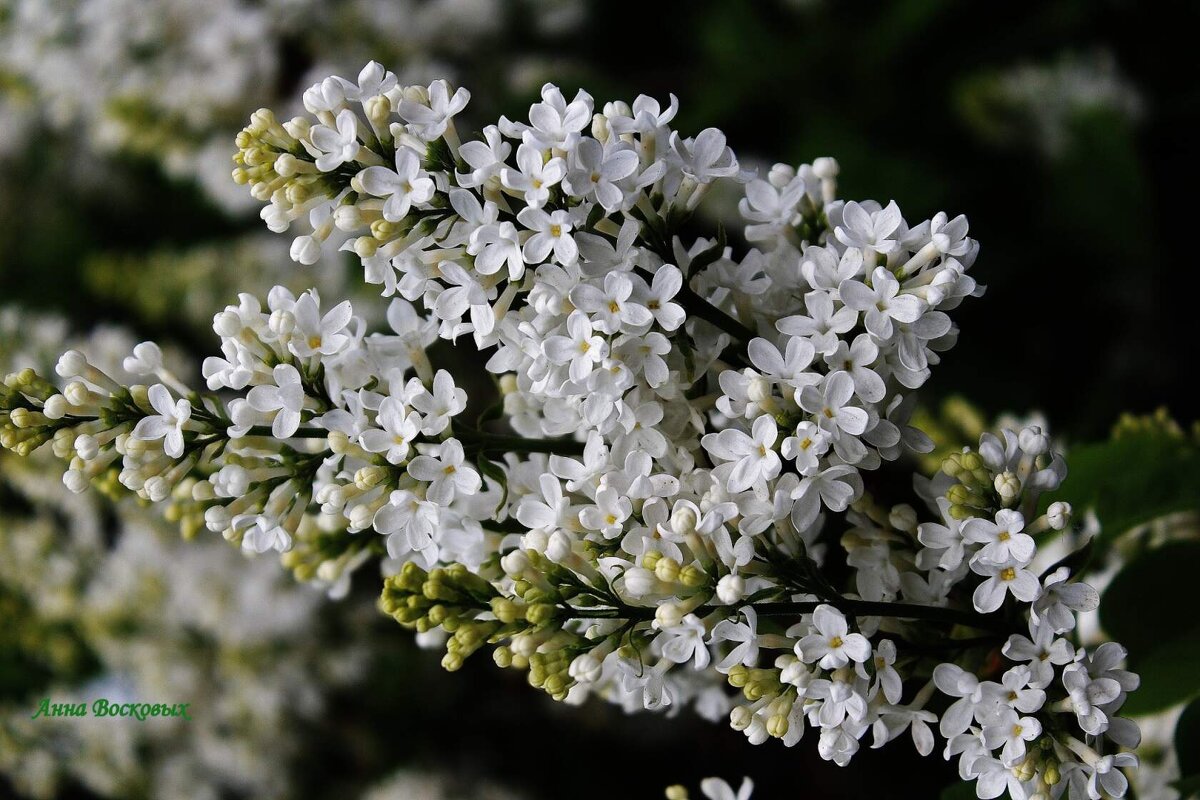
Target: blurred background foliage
1062	129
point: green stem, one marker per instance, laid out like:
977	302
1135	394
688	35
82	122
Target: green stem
301	433
857	608
697	306
498	442
479	441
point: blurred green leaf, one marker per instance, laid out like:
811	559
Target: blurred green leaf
959	791
1145	608
1146	603
1188	787
1187	741
1133	479
1169	675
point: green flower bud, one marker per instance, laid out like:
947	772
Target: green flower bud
739	676
541	613
693	576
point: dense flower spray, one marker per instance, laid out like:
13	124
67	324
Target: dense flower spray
681	500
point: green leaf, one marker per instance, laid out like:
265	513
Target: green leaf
1169	675
709	256
1147	608
493	412
1188	788
1132	479
494	472
1150	600
959	791
1187	741
594	216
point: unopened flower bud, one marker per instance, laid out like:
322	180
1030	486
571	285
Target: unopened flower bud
71	364
305	250
825	168
87	447
77	393
780	175
535	541
667	569
56	407
1059	515
370	476
683	521
668	615
693	576
378	109
731	589
758	390
282	323
515	563
558	548
903	518
1008	486
1033	441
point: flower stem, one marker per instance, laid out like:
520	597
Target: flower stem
860	608
483	441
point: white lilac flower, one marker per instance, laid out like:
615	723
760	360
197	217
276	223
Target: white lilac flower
534	176
597	170
752	458
831	408
1002	579
401	188
438	406
496	246
880	303
315	333
580	348
658	297
832	645
167	424
822	324
1002	540
684	642
717	789
871	231
338	145
554	123
283	401
611	303
552	234
676	468
446	472
806	447
486	159
398	427
1042	653
743	634
429	121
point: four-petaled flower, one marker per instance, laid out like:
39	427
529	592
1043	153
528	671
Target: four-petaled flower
168	423
832	645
